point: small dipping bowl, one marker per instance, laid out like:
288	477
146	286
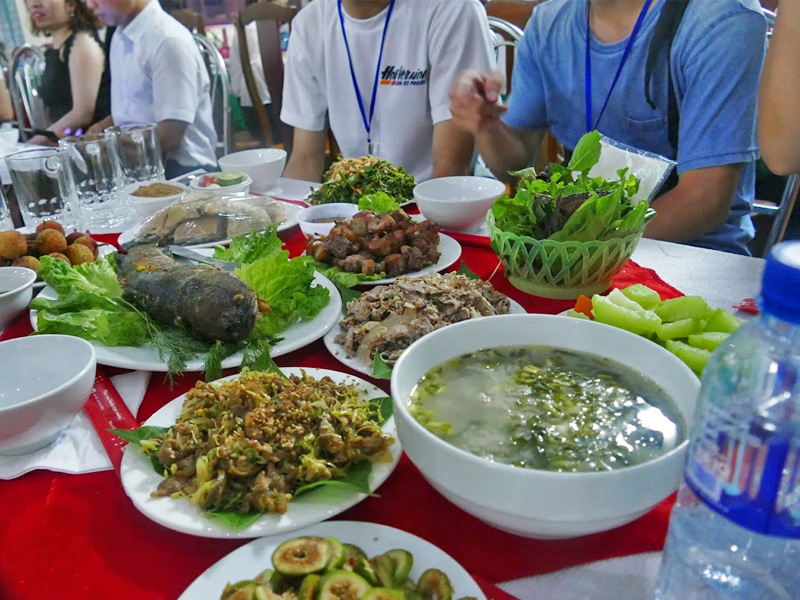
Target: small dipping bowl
264	165
46	381
457	202
16	290
317	220
146	206
241	187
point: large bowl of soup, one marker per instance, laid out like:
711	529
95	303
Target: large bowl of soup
545	426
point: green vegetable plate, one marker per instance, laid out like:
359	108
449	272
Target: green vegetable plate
246	562
139	479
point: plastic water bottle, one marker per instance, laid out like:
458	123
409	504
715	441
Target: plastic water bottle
735	530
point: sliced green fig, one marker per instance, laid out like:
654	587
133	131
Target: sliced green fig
364	568
384	568
302	556
435	585
342	585
264	578
352	554
403	561
338	554
380	593
309	588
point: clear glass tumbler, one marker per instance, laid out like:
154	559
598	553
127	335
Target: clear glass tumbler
40	188
94	182
139	151
6	222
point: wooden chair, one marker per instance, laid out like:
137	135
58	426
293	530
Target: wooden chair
268	18
193	21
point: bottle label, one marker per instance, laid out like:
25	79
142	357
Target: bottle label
751	477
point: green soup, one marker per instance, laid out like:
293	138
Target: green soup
542	408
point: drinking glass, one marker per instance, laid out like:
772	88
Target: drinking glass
139	151
5	212
94	181
38	180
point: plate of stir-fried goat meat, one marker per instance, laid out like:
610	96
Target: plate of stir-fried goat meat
393	244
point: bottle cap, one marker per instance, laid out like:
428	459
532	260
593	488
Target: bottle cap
780	287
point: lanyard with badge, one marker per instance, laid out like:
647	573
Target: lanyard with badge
367	121
625	55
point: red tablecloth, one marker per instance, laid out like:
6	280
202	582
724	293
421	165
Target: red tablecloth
78	536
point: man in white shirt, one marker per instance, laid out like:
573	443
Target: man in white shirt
379	71
158	76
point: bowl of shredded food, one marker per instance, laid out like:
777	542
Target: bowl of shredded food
348	179
563	233
248	445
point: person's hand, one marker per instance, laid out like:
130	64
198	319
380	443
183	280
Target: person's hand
41	140
475	100
100	126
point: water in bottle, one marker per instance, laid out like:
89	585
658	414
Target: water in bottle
735	530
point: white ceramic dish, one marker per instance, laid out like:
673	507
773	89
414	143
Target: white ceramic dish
340	354
249	560
16	291
457	203
449	253
139	479
289	208
533	502
264	165
243	186
309	217
45	383
145	358
145	207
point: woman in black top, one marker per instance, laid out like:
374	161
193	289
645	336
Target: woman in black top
75	85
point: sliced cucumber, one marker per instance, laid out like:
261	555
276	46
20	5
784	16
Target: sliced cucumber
685	307
620	299
695	358
723	321
342	585
709	340
228	178
403	561
643	322
578	315
302	556
679	329
644	296
435	585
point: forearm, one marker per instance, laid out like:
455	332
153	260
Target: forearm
683	215
170	135
778	125
101	125
504	149
75	119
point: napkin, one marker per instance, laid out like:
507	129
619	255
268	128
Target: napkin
626	578
78	449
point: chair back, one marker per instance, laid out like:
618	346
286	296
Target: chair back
27	65
268	18
220	92
193	21
514	11
505	37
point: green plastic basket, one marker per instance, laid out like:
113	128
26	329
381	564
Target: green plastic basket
560	269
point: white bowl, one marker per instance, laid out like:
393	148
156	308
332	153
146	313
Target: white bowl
15	292
264	165
457	202
147	206
308	217
241	187
46	383
533	502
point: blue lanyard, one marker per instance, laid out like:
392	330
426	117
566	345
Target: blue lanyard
625	54
367	122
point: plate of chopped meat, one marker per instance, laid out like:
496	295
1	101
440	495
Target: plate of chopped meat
392	243
386	320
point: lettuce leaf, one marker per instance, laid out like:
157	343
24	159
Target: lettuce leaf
111	327
286	287
246	249
99	277
379	202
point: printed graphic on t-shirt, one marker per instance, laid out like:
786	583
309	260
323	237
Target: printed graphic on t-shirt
392	75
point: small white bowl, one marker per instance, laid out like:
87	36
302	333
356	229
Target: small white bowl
457	202
534	502
309	218
264	165
147	206
241	187
16	290
46	381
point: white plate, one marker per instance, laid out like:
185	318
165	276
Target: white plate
449	253
145	358
290	209
139	479
249	560
340	354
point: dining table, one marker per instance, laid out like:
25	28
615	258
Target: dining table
79	536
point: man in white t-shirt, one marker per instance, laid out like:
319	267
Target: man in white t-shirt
158	76
335	49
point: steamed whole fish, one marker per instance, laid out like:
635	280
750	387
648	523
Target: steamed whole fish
214	304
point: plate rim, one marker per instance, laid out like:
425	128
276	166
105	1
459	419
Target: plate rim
393	537
134	462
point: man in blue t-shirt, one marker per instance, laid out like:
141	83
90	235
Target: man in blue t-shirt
715	63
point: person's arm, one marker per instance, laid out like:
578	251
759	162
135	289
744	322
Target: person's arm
779	99
170	134
698	204
452	150
101	125
86	65
307	161
6	107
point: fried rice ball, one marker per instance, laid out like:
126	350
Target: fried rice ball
29	262
12	244
79	254
50	225
50	241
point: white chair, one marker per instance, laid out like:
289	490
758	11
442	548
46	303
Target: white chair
505	37
27	65
220	92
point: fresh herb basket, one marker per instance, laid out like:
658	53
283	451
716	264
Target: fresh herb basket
556	269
